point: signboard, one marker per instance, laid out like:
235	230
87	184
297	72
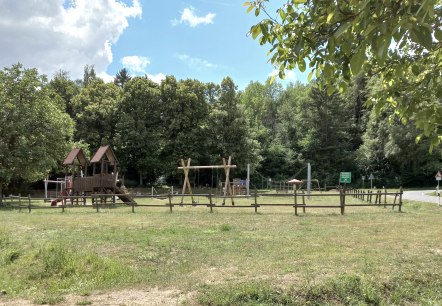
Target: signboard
438	176
345	177
371	177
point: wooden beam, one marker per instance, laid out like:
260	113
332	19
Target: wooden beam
208	167
186	179
227	190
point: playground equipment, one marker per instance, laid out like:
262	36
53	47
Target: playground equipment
103	180
227	190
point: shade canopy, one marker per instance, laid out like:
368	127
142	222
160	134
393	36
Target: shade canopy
294	181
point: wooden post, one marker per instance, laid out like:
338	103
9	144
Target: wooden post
170	202
29	203
303	202
342	196
400	199
296	203
256	201
186	179
210	203
19	202
385	197
227	190
133	207
97	205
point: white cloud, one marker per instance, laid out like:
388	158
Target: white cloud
290	75
188	16
157	78
196	63
58	34
137	65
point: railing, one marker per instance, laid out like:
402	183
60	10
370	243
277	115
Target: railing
297	200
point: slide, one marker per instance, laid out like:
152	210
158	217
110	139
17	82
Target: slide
55	201
124	197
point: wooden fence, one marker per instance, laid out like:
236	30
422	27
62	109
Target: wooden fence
338	200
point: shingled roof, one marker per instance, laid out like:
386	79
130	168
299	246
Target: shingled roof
105	151
76	154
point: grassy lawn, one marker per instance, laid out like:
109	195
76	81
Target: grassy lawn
371	255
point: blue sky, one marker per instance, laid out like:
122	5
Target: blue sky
201	39
208	51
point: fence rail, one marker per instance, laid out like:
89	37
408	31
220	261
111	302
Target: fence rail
296	200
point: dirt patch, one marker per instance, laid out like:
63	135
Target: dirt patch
132	297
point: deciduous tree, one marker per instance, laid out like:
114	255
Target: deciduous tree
35	131
398	41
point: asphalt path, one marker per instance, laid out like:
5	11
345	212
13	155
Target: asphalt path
421	195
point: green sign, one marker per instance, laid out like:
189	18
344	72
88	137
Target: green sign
345	177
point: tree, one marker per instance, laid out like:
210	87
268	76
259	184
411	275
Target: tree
185	114
229	131
325	138
95	112
398	41
65	88
122	77
139	129
89	75
34	129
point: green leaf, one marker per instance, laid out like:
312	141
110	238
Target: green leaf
256	30
310	75
422	36
344	27
357	61
330	17
300	1
301	65
438	34
330	89
249	9
415	69
282	13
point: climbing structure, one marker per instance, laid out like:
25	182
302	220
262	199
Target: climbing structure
103	180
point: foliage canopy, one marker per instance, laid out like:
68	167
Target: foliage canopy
398	41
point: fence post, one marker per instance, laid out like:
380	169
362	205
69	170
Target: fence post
385	197
170	202
19	202
296	203
256	201
210	202
342	197
133	207
29	203
97	205
303	201
400	199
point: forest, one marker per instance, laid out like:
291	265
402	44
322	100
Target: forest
150	126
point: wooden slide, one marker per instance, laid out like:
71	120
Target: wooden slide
124	197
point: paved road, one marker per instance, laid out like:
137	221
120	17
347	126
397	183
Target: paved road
421	195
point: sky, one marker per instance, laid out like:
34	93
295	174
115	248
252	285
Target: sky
199	39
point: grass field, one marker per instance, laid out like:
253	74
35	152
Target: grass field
371	255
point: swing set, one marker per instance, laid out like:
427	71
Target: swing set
227	190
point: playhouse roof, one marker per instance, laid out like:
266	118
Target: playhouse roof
76	154
105	151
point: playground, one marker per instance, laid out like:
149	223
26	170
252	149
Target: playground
230	255
90	241
96	184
